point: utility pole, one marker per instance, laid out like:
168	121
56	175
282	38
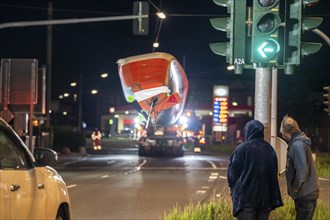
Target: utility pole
49	62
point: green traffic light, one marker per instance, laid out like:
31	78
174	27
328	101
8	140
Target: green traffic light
268	49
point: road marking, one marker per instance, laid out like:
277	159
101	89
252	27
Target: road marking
200	191
141	165
111	161
324	179
71	186
213	176
223	177
205	187
105	176
212	164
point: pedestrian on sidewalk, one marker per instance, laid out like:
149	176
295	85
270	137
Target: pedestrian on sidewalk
96	137
253	176
301	177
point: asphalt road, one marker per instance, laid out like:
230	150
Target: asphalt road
133	187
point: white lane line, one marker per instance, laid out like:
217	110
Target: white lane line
141	165
200	191
212	164
105	176
205	187
324	179
71	186
223	177
111	161
213	176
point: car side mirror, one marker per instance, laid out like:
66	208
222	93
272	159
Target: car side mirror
45	156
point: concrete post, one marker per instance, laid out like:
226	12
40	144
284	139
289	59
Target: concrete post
262	98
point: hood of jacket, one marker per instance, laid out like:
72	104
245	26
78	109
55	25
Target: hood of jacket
253	129
300	136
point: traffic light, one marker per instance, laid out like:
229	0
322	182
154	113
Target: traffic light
326	96
266	20
235	26
295	25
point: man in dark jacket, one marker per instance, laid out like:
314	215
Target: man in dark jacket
253	175
301	178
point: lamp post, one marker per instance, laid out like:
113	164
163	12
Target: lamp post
94	91
74	84
80	103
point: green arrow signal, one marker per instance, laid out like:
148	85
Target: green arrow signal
268	49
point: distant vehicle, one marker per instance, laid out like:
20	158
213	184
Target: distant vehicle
30	189
158	139
199	141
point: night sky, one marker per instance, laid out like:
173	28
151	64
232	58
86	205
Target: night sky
90	49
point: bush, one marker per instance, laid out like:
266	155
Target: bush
221	209
323	165
67	137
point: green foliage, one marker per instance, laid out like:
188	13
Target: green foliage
287	211
221	209
65	136
323	165
215	209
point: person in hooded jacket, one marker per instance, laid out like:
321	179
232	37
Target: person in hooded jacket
301	177
253	175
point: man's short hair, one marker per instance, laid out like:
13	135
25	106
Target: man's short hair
289	125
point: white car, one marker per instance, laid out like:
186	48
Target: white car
29	188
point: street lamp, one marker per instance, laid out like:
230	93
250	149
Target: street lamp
73	84
104	75
94	91
161	15
78	96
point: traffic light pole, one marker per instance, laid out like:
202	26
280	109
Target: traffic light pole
273	114
262	98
